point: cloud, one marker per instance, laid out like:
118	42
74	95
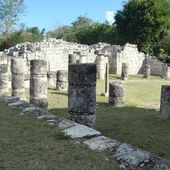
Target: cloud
110	16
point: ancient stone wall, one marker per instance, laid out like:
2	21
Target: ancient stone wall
132	57
157	67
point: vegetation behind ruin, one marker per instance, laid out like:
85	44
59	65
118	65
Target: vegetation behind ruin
145	23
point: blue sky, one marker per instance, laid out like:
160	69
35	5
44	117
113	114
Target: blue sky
49	14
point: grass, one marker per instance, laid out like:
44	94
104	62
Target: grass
138	123
29	144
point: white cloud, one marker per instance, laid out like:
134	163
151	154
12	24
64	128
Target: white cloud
110	16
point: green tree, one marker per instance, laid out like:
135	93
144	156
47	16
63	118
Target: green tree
143	22
10	11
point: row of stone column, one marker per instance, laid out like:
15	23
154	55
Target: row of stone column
38	81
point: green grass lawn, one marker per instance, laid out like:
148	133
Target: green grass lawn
29	144
138	123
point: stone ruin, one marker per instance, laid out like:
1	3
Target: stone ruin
58	54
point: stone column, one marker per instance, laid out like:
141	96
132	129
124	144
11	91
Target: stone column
52	79
117	93
62	80
38	84
4	79
82	93
125	71
147	70
106	93
18	76
165	102
101	66
72	58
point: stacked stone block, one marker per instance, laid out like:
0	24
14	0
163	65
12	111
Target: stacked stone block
165	102
62	80
117	93
82	93
4	79
38	84
18	76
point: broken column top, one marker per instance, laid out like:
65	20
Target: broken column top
82	74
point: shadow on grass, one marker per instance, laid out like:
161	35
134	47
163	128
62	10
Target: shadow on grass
59	93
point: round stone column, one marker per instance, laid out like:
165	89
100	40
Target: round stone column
101	67
147	71
117	93
62	80
18	75
165	102
38	84
82	93
125	71
4	79
72	58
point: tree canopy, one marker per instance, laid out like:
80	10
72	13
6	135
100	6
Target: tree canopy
144	23
10	11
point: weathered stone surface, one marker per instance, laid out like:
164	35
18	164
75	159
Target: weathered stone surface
101	143
165	102
72	58
62	80
84	118
147	71
125	71
131	156
82	94
34	110
18	75
82	74
18	66
161	164
38	67
82	100
4	79
65	124
81	131
52	78
117	93
20	104
38	84
12	99
101	67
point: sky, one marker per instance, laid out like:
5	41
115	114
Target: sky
50	14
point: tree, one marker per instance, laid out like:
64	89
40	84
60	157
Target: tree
10	11
143	22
